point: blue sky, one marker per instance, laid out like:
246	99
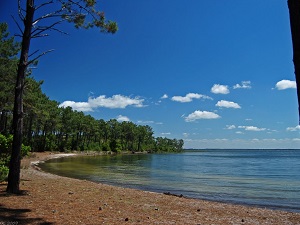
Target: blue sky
217	74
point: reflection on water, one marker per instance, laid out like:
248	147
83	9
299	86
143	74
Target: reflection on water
267	178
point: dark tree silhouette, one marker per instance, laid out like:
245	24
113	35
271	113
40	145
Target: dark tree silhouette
294	10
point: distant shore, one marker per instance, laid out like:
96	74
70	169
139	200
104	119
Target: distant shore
51	199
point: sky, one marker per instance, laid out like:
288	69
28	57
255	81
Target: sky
217	74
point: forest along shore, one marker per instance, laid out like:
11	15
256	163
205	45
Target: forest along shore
51	199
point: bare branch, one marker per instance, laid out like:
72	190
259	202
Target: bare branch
20	10
42	5
33	53
40	30
18	25
49	15
60	31
32	68
41	35
44	53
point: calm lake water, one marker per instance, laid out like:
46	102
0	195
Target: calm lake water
266	178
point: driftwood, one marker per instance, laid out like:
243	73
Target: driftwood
169	193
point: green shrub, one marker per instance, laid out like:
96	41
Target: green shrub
105	147
5	153
5	143
115	146
3	172
25	150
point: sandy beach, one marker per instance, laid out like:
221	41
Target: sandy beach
51	199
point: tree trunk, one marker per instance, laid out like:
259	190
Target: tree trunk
15	162
294	9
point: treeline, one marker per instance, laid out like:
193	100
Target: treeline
48	127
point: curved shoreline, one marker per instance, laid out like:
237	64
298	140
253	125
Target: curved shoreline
54	199
55	156
162	190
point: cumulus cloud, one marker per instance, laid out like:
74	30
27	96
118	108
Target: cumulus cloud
189	97
285	84
251	128
227	104
296	128
220	89
164	96
121	118
197	115
230	127
243	85
79	106
114	102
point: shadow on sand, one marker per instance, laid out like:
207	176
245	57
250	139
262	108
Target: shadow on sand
10	216
15	216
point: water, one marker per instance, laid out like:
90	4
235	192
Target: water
266	178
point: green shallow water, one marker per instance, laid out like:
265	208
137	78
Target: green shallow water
267	178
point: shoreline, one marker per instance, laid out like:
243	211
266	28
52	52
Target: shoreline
53	199
161	191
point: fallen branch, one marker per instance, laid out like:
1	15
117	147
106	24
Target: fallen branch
169	193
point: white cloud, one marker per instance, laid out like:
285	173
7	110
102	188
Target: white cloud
121	118
285	84
149	122
239	132
145	122
230	127
114	102
220	89
189	97
201	115
244	85
164	96
79	106
251	128
293	128
164	134
227	104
